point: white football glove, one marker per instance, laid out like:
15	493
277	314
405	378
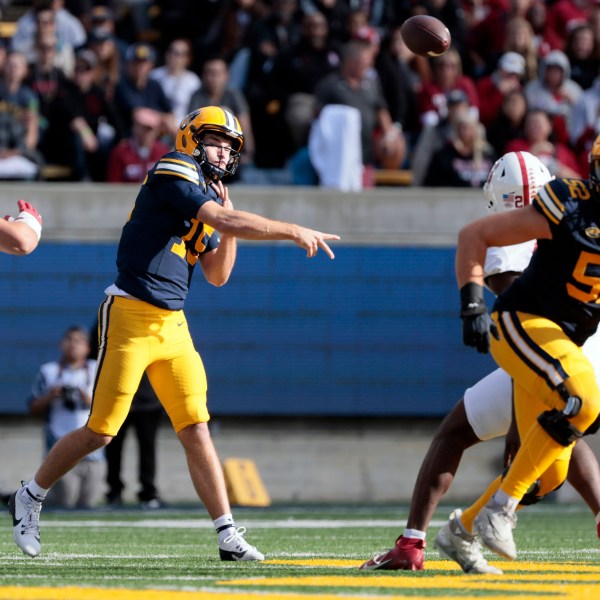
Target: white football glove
28	215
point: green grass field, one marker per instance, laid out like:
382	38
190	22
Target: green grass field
311	553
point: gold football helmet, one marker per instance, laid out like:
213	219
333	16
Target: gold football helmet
595	165
213	119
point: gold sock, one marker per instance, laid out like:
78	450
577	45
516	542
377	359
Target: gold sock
468	516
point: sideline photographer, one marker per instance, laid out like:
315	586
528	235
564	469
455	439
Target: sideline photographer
62	392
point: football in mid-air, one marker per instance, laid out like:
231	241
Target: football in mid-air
425	35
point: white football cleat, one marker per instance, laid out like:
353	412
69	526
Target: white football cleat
235	547
455	543
494	524
25	512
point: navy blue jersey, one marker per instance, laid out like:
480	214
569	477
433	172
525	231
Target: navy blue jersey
162	239
562	281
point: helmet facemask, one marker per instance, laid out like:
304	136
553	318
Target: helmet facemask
213	171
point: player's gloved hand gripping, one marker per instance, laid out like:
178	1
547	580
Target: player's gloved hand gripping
476	321
28	215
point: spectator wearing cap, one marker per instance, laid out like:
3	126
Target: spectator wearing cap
175	78
68	28
103	17
111	62
369	36
132	158
493	88
555	93
135	89
433	137
446	76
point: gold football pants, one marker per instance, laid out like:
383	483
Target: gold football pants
134	337
539	357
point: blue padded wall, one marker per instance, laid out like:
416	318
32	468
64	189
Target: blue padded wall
374	332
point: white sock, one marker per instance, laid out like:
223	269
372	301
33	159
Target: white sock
223	526
503	499
39	493
414	534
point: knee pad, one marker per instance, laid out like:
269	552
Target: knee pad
557	425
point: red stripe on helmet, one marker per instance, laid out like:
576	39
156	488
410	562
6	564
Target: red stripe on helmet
524	177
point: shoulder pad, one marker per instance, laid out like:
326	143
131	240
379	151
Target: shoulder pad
177	164
550	200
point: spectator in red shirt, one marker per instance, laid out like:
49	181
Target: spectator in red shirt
563	16
537	139
447	76
130	159
495	87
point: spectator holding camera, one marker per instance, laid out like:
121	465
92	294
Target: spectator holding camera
62	393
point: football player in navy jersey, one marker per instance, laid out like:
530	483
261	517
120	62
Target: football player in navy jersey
535	333
485	410
182	216
21	234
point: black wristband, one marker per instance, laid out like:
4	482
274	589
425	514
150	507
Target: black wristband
471	300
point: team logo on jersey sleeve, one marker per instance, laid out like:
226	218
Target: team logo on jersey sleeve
592	232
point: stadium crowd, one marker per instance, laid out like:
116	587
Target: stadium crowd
99	88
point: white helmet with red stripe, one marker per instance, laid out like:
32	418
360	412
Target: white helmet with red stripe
514	180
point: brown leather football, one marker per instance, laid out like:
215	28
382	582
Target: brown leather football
425	35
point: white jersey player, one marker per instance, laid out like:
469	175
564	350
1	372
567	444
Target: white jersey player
485	412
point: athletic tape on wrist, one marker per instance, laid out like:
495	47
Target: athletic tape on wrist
30	221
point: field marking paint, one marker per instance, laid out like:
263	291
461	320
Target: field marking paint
202	523
521	580
75	593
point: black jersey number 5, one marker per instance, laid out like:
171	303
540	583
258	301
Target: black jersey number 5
587	263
